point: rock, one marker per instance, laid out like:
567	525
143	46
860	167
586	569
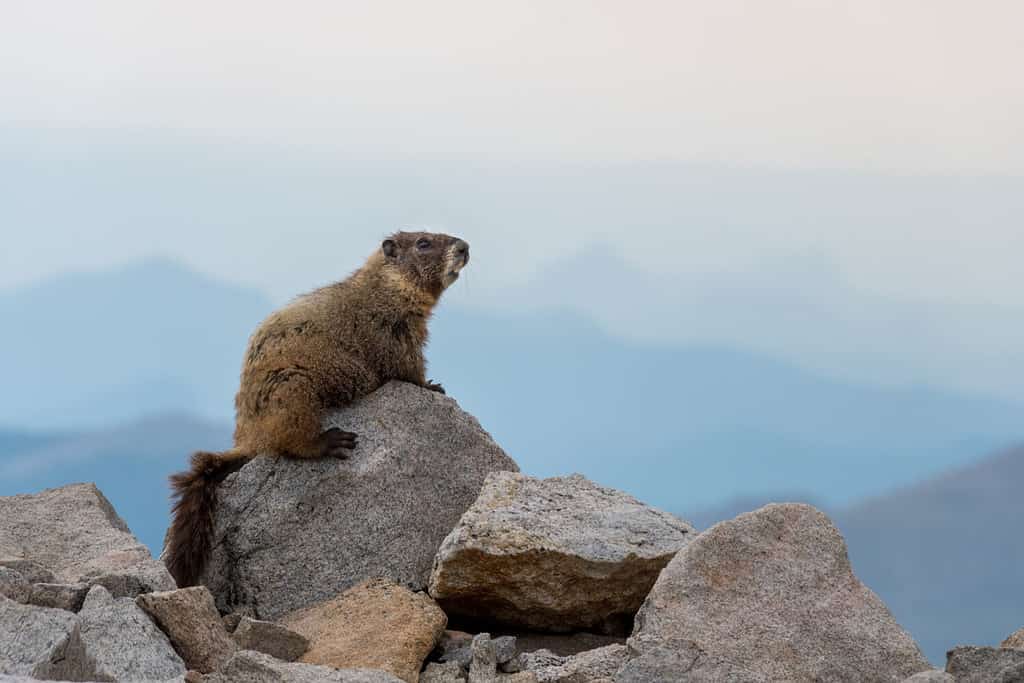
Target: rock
985	664
72	535
536	660
505	648
231	621
33	572
483	665
933	676
248	666
1015	640
69	596
455	647
560	554
190	620
375	625
32	638
269	638
565	644
448	672
584	667
13	585
114	640
767	596
293	533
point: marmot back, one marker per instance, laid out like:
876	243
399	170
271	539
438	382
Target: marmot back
319	353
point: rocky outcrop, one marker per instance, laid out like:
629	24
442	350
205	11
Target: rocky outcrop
270	638
767	596
247	666
290	534
375	625
560	554
190	619
985	664
72	535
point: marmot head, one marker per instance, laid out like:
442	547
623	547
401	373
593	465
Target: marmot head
431	261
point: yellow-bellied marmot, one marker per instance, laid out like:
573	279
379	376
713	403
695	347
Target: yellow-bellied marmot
321	351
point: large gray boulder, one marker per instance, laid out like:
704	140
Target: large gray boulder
969	664
767	596
114	640
72	535
559	554
293	533
32	638
248	666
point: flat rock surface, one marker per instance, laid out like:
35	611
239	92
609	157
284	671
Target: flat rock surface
270	638
985	664
190	620
559	554
256	667
292	533
72	535
31	638
767	596
375	625
114	640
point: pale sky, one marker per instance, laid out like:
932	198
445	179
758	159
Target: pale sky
906	85
869	147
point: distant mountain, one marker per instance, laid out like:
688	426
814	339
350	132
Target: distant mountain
945	554
89	350
130	464
697	424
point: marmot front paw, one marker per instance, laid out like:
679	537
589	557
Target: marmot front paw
336	443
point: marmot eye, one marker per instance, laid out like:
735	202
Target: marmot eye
423	244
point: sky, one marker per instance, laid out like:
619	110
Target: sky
861	159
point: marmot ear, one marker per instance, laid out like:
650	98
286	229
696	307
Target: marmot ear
390	248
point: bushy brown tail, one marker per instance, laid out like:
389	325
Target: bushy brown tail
195	495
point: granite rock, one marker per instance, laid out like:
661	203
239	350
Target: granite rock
1014	640
559	554
114	640
375	625
247	666
190	620
32	638
767	596
382	512
72	535
967	664
270	638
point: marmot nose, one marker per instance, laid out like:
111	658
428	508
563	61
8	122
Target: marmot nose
462	249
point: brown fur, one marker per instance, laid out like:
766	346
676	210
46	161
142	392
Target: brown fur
320	352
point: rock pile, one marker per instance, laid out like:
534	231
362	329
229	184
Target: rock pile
350	571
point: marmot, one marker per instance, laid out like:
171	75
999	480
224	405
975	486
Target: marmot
320	352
